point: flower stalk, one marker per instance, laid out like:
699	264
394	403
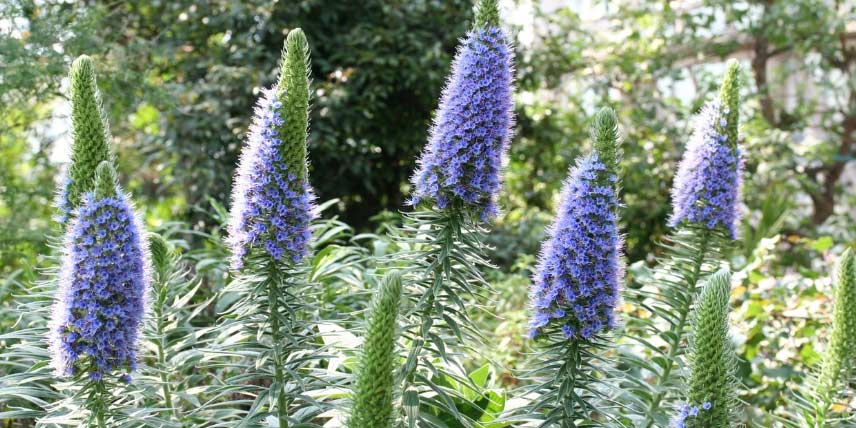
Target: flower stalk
576	287
705	199
713	360
162	256
272	207
375	384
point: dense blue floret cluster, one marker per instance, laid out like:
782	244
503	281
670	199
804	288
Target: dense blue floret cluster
463	159
271	206
707	184
686	412
577	281
102	290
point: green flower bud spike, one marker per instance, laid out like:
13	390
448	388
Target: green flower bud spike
487	14
841	354
607	140
293	92
161	254
375	385
713	359
90	132
729	93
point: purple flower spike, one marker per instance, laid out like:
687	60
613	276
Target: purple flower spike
707	184
577	281
462	163
102	290
272	205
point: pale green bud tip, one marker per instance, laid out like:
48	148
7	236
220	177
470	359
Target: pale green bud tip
160	251
82	67
295	62
105	180
606	138
391	288
296	39
487	14
718	290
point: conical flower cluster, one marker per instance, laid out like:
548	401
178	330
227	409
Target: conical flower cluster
577	281
842	342
272	202
713	361
462	163
103	285
375	385
90	137
707	184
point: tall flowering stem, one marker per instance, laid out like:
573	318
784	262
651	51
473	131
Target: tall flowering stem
162	260
102	291
577	282
840	354
455	192
269	232
814	403
711	397
90	137
705	200
36	310
375	385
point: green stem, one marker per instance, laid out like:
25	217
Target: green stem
440	267
99	408
678	331
161	345
274	282
570	368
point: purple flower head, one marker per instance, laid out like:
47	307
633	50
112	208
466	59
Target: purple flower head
272	205
462	163
102	291
576	285
707	184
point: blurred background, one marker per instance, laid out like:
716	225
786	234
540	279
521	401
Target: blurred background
179	79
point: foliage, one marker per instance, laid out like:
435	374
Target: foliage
704	208
178	79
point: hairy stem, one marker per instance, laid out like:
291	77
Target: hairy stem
677	330
274	282
441	267
568	399
97	404
161	346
